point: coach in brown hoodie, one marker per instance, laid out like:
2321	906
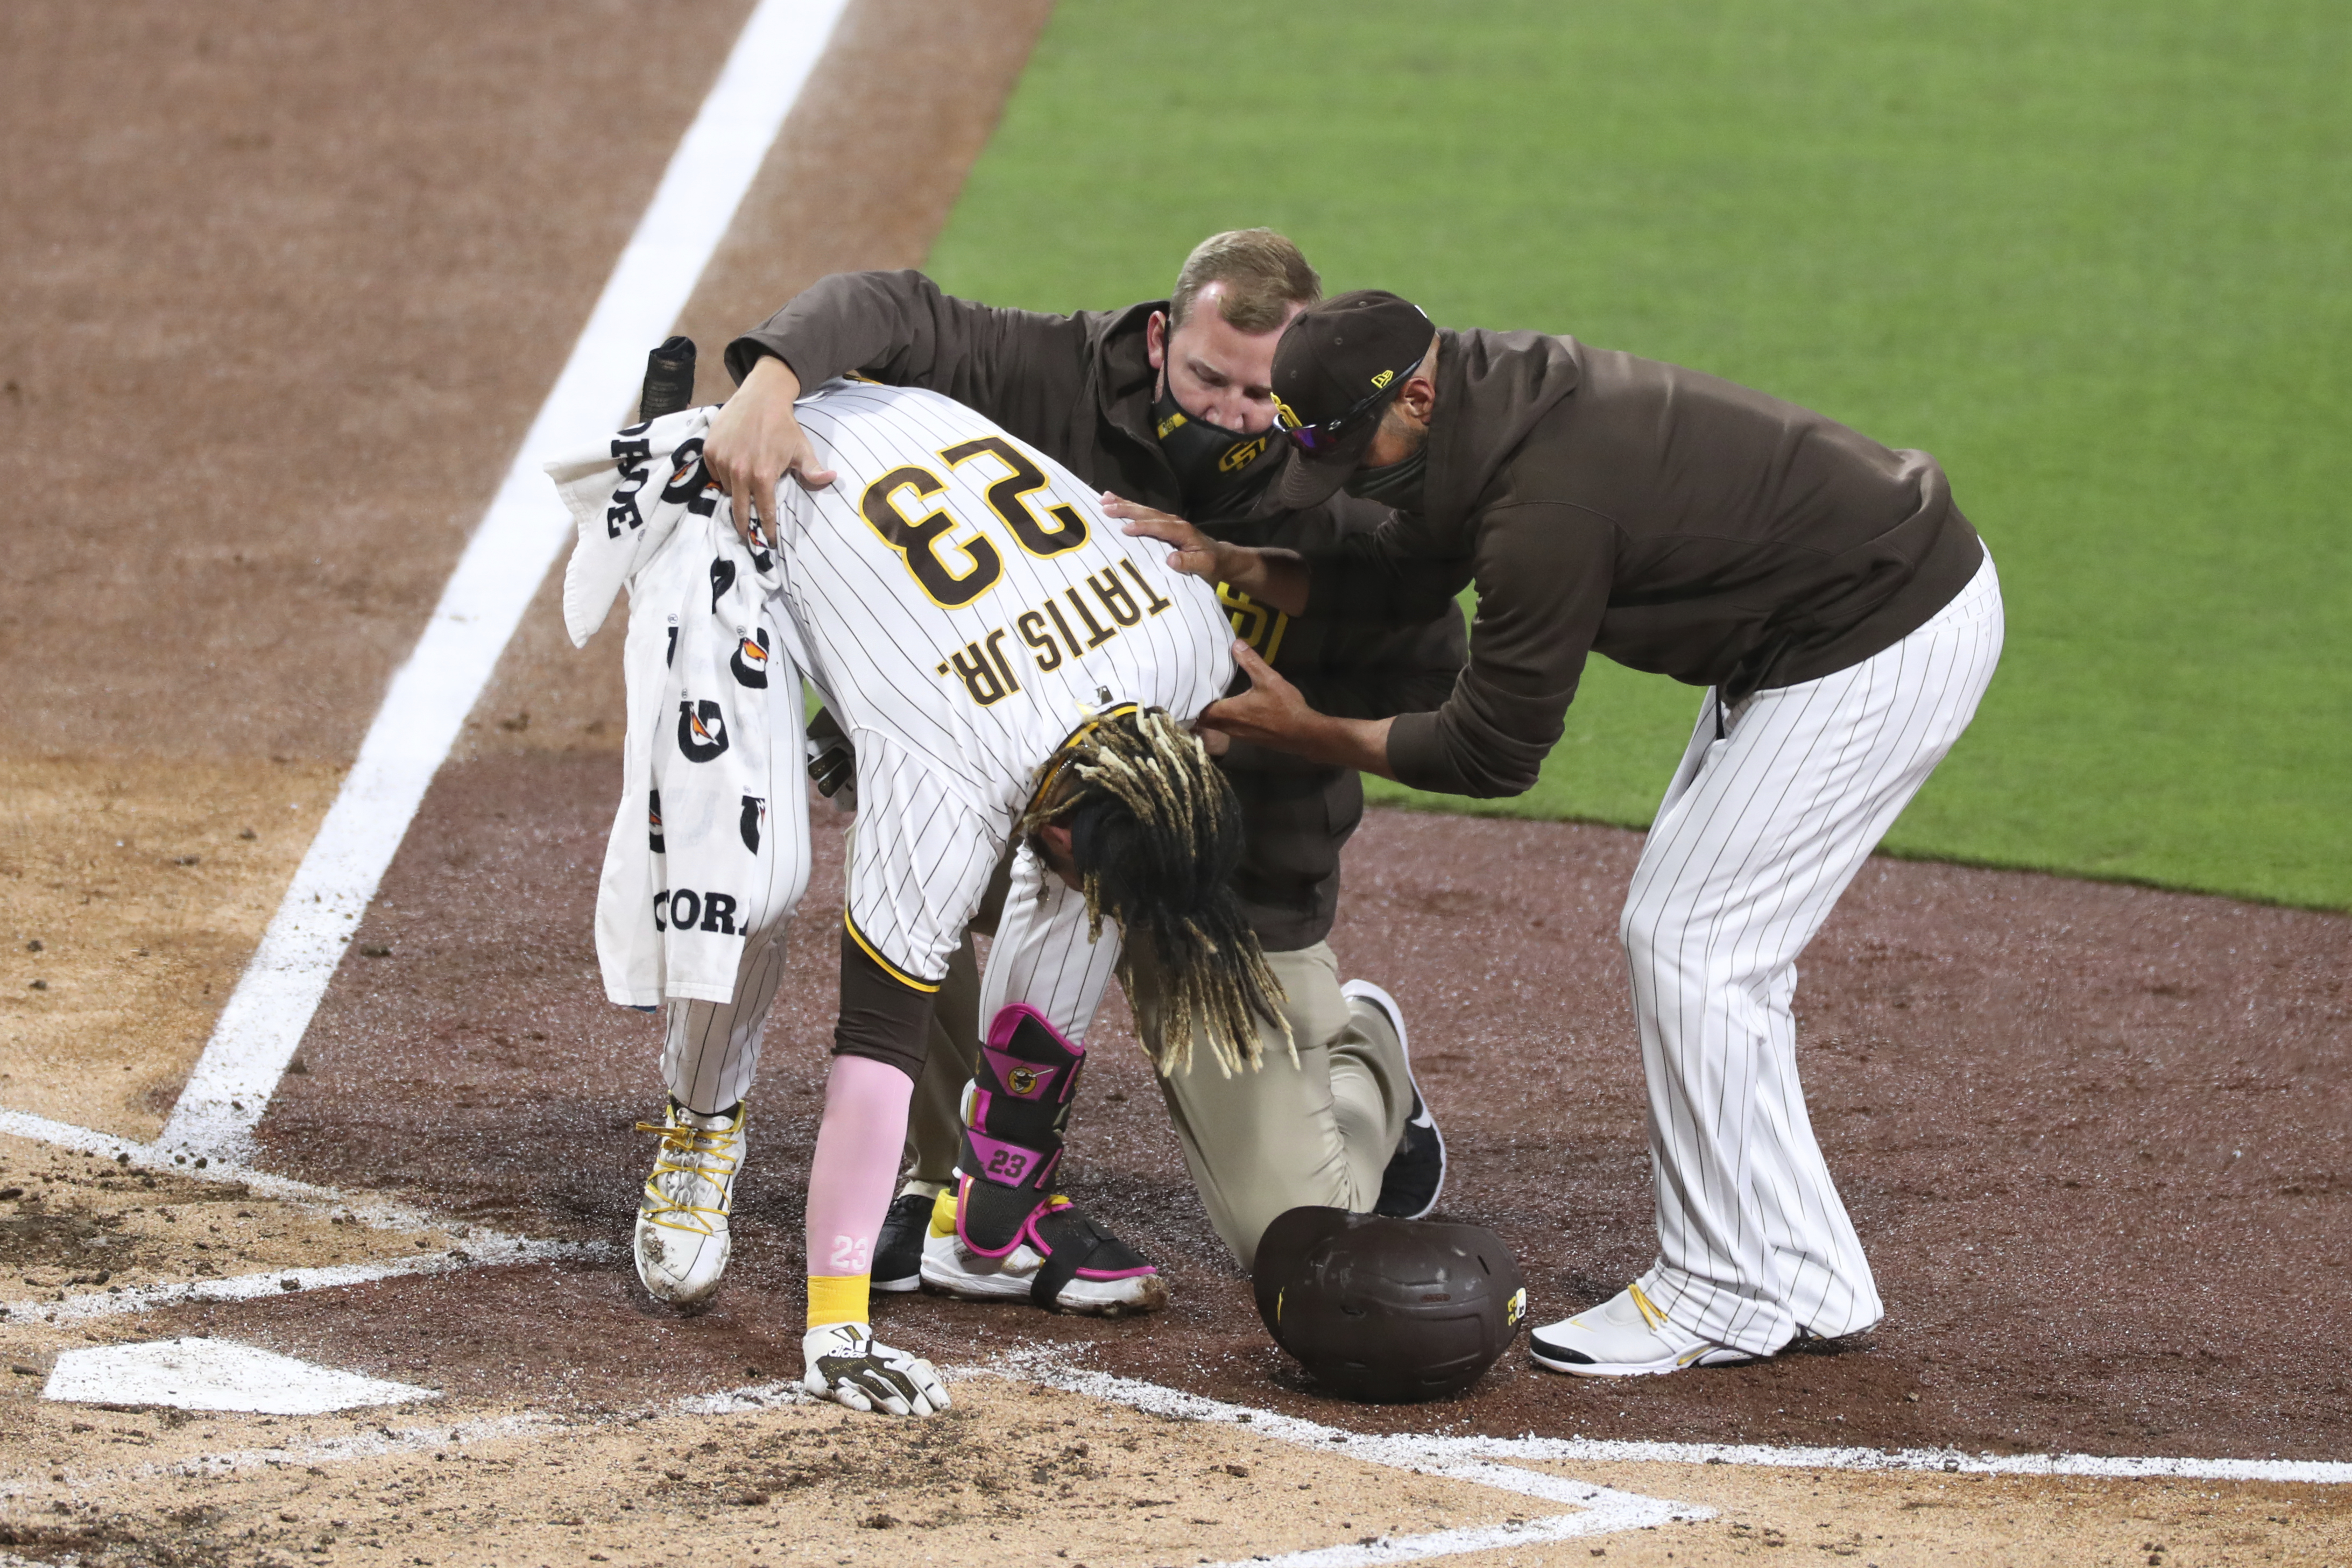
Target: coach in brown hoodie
1840	612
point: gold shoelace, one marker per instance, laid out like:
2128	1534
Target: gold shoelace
1649	1313
706	1153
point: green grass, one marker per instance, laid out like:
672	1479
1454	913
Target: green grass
2096	255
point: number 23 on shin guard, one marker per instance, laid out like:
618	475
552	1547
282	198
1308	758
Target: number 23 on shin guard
1014	1112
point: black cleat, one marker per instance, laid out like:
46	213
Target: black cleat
898	1250
1416	1172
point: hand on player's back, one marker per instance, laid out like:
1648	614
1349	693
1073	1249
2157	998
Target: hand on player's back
1276	577
755	441
1270	712
1197	554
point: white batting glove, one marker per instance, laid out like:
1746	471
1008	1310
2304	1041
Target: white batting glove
847	1366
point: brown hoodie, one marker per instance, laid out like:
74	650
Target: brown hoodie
1676	523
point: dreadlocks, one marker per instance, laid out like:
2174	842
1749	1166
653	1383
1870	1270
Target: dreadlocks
1155	833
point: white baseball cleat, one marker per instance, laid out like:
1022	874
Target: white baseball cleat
847	1365
682	1241
1097	1275
1625	1336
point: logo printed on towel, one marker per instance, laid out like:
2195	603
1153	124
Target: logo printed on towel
653	821
690	482
685	909
755	812
723	577
631	457
701	729
750	661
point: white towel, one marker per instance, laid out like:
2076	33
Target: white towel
690	864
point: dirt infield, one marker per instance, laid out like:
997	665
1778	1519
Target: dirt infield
2061	1112
282	285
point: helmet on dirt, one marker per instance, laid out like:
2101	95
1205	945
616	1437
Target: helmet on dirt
1385	1309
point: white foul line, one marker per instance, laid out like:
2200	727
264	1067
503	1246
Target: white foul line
1600	1511
430	695
1044	1364
1429	1452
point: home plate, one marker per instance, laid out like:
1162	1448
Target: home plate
216	1374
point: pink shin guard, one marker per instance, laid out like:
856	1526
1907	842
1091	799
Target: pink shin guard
1014	1115
1014	1112
857	1163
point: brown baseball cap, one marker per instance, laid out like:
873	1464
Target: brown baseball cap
1337	366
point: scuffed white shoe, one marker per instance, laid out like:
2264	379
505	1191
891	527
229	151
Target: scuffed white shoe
1099	1276
682	1241
847	1365
1625	1336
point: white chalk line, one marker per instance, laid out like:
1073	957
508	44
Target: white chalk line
118	1300
483	1247
501	569
1044	1364
1599	1510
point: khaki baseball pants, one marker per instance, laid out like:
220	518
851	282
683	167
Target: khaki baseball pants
1318	1131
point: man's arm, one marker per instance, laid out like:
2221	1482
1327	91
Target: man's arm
1543	576
1365	577
900	329
1368	578
1272	714
1276	578
893	326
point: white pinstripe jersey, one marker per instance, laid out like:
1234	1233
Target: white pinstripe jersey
964	602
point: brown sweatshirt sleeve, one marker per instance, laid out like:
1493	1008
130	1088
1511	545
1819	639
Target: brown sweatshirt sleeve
881	1017
1017	367
1543	573
1379	576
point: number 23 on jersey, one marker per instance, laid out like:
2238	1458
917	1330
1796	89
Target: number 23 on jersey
953	572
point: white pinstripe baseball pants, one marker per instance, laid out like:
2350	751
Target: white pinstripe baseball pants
1770	816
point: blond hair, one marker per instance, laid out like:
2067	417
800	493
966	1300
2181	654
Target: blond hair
1155	834
1265	277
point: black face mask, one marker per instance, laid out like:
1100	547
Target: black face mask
1399	485
1219	471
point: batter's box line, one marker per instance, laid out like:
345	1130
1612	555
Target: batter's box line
1595	1510
375	1437
1598	1509
486	1248
483	1247
1047	1365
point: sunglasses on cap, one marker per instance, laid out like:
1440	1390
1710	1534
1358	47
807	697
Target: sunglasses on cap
1322	439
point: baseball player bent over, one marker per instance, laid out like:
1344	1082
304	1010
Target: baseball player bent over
1168	402
1013	671
1843	616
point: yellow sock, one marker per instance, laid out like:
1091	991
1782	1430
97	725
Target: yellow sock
836	1299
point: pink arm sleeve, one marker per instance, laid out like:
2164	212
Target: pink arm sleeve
857	1163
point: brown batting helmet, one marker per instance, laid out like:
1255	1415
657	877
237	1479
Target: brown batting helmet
1388	1309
